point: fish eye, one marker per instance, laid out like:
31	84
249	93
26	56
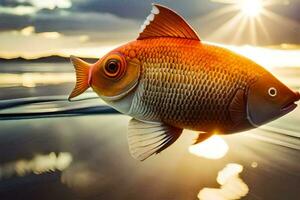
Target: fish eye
272	91
112	68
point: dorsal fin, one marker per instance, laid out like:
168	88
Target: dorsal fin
163	22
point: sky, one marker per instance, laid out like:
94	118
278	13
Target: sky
31	28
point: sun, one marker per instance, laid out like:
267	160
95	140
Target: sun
251	8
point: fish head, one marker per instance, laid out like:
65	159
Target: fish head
269	99
114	78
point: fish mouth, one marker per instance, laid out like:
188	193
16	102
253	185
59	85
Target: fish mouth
288	107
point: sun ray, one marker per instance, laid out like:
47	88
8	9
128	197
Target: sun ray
227	27
280	19
250	15
263	28
240	29
253	30
218	13
225	1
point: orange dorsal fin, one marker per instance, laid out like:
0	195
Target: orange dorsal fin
82	69
163	22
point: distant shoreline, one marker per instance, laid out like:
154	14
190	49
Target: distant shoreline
48	59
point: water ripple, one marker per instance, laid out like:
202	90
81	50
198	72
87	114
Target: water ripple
62	108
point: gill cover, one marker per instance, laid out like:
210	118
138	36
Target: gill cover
82	70
115	76
267	98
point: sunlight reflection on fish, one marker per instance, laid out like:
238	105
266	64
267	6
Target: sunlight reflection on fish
232	186
213	148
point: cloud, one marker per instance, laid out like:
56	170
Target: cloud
27	31
69	23
31	44
30	7
119	20
14	3
139	9
30	30
190	9
50	4
10	21
18	10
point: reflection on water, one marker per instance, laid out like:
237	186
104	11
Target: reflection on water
84	180
33	79
38	119
254	164
232	186
37	165
212	148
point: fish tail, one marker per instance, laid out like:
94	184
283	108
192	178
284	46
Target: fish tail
82	69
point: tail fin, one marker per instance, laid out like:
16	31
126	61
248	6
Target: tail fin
82	76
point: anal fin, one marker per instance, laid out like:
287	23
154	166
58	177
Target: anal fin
202	137
146	139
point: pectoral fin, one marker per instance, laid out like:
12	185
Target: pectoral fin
147	139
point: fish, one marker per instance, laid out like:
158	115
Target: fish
168	80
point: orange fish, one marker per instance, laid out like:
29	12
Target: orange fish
168	80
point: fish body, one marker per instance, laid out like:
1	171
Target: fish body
188	84
168	80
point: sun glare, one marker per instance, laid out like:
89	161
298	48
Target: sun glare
250	16
232	185
212	148
251	8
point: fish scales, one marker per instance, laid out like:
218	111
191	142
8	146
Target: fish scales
188	84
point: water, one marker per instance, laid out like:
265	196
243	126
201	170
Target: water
54	149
